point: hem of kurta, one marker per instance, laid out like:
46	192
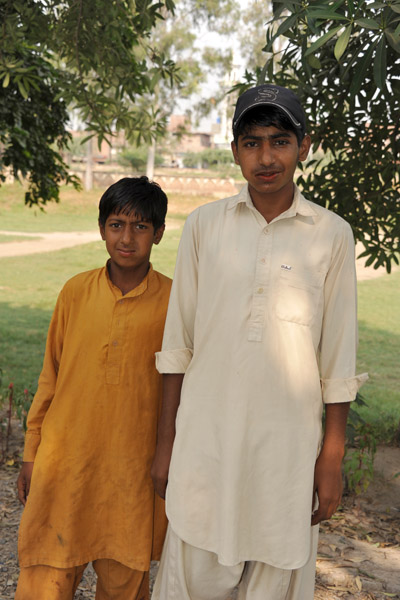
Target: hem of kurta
58	564
224	561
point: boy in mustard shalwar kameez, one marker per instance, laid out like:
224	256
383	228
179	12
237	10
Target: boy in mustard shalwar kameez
91	435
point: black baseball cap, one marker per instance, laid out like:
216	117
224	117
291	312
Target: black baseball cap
271	95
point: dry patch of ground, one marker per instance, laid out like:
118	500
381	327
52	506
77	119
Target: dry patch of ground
359	550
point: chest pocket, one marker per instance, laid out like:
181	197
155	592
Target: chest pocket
299	296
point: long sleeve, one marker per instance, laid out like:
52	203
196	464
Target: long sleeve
47	382
178	341
339	338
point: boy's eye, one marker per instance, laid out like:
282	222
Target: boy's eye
282	142
115	225
141	226
250	144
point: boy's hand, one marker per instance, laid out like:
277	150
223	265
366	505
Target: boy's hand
24	481
328	483
328	486
160	468
172	384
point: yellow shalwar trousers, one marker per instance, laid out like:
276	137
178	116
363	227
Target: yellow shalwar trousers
114	582
189	573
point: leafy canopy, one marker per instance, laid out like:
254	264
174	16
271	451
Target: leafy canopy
94	57
343	60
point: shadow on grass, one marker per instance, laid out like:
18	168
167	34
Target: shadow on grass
23	332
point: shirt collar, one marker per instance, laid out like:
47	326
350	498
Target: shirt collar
137	291
299	206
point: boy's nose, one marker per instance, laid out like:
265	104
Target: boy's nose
127	235
266	155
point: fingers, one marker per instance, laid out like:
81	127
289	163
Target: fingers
24	481
326	509
22	491
160	486
161	490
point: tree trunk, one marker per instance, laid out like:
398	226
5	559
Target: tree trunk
89	166
151	154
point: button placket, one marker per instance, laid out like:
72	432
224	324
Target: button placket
260	288
115	346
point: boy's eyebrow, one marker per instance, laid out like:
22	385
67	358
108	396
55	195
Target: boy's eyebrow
273	136
137	219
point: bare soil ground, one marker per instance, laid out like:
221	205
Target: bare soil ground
359	549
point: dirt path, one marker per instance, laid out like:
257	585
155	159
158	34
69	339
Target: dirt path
58	240
47	243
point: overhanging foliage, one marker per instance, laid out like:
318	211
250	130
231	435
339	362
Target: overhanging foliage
343	60
92	56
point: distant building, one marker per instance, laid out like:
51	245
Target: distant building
185	140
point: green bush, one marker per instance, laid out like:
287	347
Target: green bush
216	156
191	160
211	158
137	158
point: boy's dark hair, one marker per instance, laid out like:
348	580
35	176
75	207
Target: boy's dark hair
134	194
266	116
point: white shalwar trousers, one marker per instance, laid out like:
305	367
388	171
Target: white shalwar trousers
189	573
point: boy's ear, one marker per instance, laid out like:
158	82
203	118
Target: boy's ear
102	231
158	234
235	152
304	148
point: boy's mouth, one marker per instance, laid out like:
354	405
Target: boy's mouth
125	252
267	175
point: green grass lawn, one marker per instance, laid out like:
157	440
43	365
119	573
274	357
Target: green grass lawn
29	286
6	239
379	352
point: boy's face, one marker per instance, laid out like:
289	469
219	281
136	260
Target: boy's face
268	157
129	240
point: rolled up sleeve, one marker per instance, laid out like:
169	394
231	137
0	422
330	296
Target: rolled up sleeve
339	338
178	341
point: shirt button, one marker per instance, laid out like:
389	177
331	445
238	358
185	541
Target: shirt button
260	290
115	343
266	231
263	261
121	301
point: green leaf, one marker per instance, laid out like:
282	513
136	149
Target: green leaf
325	15
313	61
322	40
342	43
6	80
360	72
286	25
367	23
393	40
380	64
395	8
22	90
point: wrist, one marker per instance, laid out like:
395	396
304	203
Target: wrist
333	451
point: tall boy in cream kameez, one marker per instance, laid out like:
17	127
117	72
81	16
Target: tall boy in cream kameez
260	335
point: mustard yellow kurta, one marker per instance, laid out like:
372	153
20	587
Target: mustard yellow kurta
92	428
